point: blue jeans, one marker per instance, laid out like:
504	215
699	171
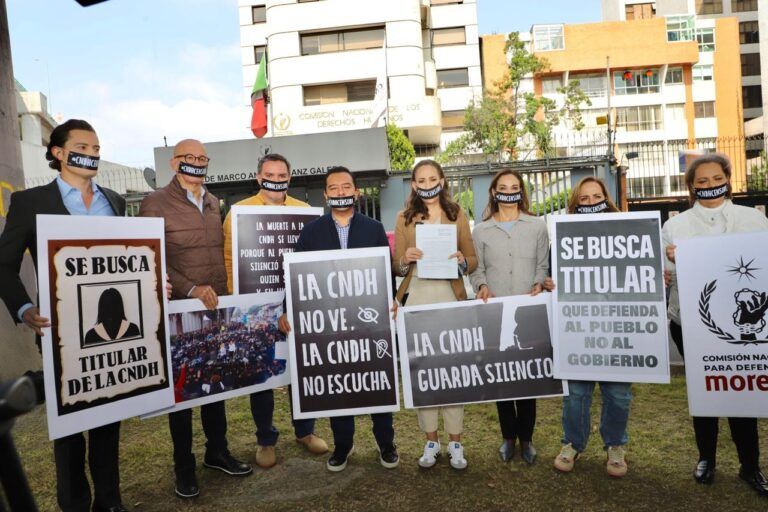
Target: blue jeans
343	428
613	419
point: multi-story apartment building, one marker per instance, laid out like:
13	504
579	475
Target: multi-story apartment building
324	58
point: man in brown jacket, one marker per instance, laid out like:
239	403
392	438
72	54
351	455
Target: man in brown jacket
194	254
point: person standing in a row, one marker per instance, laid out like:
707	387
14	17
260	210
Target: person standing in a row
512	249
709	187
194	253
431	203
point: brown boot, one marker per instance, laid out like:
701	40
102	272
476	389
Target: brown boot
265	456
313	444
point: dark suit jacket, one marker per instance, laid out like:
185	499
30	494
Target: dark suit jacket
20	235
321	235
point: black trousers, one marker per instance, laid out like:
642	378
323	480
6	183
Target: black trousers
343	428
262	410
72	489
214	419
706	429
517	418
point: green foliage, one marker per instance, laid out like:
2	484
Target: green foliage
401	152
551	204
757	181
467	201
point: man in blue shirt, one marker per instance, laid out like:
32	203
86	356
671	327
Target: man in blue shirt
74	152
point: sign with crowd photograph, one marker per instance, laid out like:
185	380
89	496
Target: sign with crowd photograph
106	355
471	351
723	287
260	237
609	309
341	340
233	350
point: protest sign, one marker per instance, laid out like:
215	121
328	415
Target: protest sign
723	287
609	309
105	358
231	351
341	339
470	351
260	237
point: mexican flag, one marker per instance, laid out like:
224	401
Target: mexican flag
259	100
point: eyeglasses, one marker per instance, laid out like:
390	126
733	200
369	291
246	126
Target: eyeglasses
191	159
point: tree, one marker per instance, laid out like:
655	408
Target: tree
496	123
401	151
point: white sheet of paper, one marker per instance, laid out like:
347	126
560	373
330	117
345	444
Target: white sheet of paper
437	242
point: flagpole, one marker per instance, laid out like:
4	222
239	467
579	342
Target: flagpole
270	125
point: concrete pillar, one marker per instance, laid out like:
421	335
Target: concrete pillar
480	186
18	351
393	198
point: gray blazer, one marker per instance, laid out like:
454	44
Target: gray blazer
511	263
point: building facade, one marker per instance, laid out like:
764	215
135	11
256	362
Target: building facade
324	58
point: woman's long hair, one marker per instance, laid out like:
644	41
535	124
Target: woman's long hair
414	205
493	205
573	201
110	307
713	158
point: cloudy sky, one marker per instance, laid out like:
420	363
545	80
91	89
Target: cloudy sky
141	70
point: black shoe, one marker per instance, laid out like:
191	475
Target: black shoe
186	484
115	508
338	460
507	450
704	472
227	463
388	457
528	452
756	480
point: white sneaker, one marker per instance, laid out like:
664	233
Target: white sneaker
431	453
456	455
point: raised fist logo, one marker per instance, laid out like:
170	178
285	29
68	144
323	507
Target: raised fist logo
750	310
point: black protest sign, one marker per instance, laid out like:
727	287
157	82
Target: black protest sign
609	305
341	345
260	237
467	352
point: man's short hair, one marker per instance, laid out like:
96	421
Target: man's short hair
337	169
272	157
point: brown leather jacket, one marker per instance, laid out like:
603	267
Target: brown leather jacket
194	242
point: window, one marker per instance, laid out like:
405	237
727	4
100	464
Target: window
442	2
709	6
259	13
744	5
643	81
550	84
676	111
706	39
639	11
452	78
752	96
748	32
453	120
593	85
548	37
750	64
702	72
446	36
258	53
339	93
680	28
635	119
702	109
357	39
674	76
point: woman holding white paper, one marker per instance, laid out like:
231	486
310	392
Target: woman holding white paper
512	249
709	186
591	196
430	203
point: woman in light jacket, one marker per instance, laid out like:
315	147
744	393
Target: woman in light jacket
591	196
512	249
709	186
431	203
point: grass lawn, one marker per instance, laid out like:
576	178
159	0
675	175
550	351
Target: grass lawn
661	456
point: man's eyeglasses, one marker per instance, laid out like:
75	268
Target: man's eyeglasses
192	159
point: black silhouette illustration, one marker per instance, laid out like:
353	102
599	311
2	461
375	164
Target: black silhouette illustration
750	312
528	322
111	323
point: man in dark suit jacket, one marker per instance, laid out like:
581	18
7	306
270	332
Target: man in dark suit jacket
74	152
344	228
